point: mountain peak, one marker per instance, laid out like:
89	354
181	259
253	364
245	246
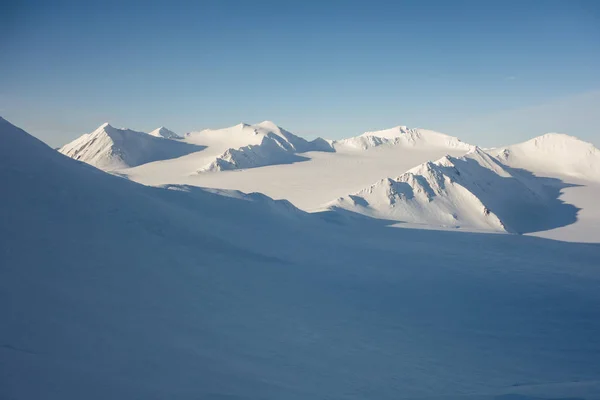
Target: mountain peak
268	125
110	148
104	126
405	137
164	133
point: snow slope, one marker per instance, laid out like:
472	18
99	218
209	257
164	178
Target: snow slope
554	154
164	133
405	137
473	191
110	148
111	289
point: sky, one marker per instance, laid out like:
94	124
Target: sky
490	72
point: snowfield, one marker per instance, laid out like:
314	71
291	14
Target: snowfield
310	174
113	289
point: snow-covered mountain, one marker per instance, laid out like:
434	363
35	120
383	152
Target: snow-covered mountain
109	148
332	169
404	137
554	154
112	289
164	133
252	146
329	169
474	191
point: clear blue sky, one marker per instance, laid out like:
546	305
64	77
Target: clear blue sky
490	72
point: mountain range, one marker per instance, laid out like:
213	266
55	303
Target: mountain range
408	176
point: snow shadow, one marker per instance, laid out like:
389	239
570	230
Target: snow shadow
524	202
170	149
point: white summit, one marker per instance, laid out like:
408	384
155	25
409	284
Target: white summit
110	148
250	146
404	137
554	154
164	133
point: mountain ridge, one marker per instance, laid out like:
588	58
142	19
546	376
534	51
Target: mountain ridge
473	191
110	148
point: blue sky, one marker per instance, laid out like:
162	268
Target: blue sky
490	72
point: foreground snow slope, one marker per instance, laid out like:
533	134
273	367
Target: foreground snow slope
111	289
109	148
473	191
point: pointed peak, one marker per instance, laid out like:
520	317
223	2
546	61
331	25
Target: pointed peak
165	133
268	124
476	150
105	125
104	128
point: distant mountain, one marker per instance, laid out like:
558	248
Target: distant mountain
164	133
251	146
553	154
405	137
109	148
474	191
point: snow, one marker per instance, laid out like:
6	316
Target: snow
556	154
109	148
575	166
264	144
403	136
268	159
111	289
323	174
473	191
164	133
